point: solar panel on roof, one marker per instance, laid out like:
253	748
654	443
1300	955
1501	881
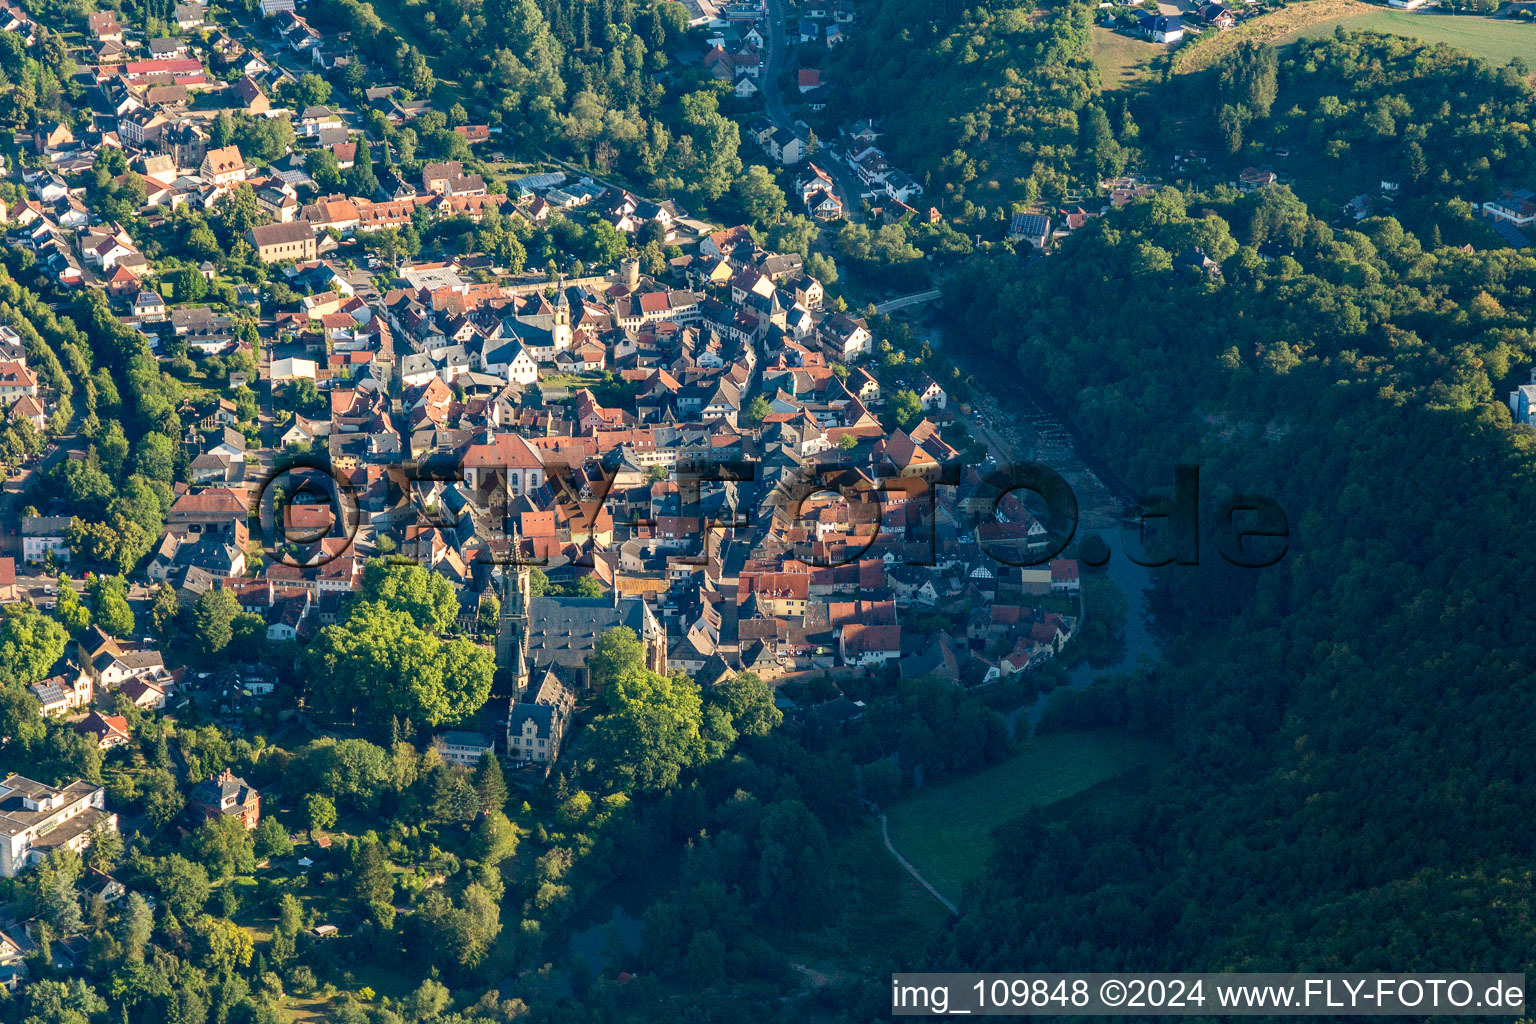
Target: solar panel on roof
1511	234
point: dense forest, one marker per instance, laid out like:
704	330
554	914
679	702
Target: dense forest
1350	777
1350	112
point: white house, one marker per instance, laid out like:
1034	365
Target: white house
785	146
16	380
1161	28
292	369
513	361
462	748
43	534
509	456
931	394
869	645
149	306
417	369
847	337
61	694
223	166
1065	576
105	251
36	818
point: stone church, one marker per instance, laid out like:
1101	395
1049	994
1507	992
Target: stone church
541	654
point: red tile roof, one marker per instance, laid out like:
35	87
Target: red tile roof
860	639
508	451
1064	570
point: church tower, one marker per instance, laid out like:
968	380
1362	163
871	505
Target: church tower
561	335
512	636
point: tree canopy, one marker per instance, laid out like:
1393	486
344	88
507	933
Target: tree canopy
378	664
404	586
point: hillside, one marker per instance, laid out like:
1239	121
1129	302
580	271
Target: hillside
1371	677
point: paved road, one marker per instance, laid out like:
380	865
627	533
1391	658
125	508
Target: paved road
773	66
848	186
266	420
778	113
903	301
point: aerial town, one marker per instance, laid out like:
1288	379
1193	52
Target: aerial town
541	509
684	443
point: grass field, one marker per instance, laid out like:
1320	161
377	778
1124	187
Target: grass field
574	381
1270	28
886	900
946	830
1122	60
1493	39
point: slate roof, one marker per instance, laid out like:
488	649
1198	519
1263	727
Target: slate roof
15	818
461	738
212	792
542	715
562	630
1511	234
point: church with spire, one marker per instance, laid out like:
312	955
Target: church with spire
541	332
542	644
560	333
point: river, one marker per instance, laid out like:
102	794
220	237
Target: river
1014	426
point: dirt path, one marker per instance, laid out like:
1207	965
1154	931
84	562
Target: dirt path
886	836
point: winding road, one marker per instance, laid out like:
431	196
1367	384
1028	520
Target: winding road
773	105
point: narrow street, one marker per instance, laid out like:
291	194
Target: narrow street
12	489
773	66
773	104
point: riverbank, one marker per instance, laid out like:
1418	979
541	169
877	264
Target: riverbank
1024	424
